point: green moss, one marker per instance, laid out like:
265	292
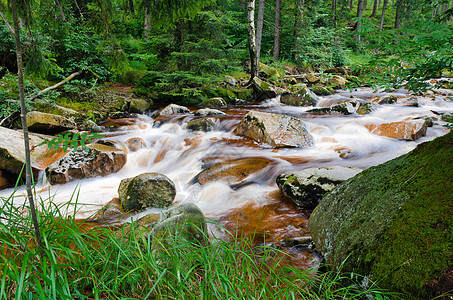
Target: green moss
394	220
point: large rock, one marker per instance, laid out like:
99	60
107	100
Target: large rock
386	99
393	222
95	160
138	106
306	188
214	102
181	224
209	112
12	152
146	190
337	81
345	108
173	109
48	123
201	124
275	130
263	90
303	97
411	129
321	91
110	212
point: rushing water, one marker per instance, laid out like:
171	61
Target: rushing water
256	207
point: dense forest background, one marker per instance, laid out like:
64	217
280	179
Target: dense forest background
171	48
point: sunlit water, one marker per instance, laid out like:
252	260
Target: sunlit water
257	208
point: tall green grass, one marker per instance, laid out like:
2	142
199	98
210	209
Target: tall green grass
77	263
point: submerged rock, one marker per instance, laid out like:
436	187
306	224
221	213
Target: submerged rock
201	124
274	129
146	190
236	173
393	222
95	160
307	187
410	130
303	97
48	123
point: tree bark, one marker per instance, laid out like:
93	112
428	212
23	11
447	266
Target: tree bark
276	49
254	66
334	12
61	11
359	15
7	23
23	113
147	25
384	7
259	27
298	23
399	8
375	6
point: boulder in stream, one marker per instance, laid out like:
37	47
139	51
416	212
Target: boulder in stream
303	97
95	160
209	112
173	109
393	222
263	90
409	129
274	129
337	81
386	99
48	123
146	190
306	188
134	144
214	102
201	124
138	106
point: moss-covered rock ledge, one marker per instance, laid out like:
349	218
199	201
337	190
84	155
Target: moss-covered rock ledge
394	222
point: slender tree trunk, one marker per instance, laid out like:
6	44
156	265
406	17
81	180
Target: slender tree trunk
23	113
298	23
254	66
399	8
350	4
375	7
147	25
334	12
276	49
384	7
61	11
359	15
259	27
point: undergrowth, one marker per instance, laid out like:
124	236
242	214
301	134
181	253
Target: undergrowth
80	261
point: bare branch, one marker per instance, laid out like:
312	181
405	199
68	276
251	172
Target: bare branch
7	23
34	96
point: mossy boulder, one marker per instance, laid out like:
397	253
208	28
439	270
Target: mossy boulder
139	106
387	99
209	112
367	107
146	190
393	222
321	91
201	124
303	97
305	188
214	102
345	108
337	81
182	223
48	123
263	90
173	109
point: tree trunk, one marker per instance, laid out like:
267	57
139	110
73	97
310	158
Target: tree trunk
147	25
254	67
334	12
259	27
384	7
276	49
298	23
359	15
375	6
23	113
61	11
350	4
399	9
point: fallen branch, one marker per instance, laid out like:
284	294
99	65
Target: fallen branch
7	23
34	96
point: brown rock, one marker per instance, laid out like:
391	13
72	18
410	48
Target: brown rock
135	144
48	123
110	212
311	78
410	130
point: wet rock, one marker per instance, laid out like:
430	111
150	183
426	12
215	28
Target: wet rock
303	97
429	121
263	90
138	106
393	221
110	212
336	81
135	144
346	108
411	101
183	223
119	115
367	108
90	126
201	124
139	228
236	173
321	91
274	129
173	109
447	117
48	123
95	160
386	99
209	112
297	241
7	180
312	78
12	152
307	187
411	129
146	190
214	102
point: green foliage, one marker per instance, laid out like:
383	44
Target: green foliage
71	140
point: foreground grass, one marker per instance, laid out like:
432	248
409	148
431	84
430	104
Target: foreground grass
77	263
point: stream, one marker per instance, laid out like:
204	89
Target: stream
255	207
